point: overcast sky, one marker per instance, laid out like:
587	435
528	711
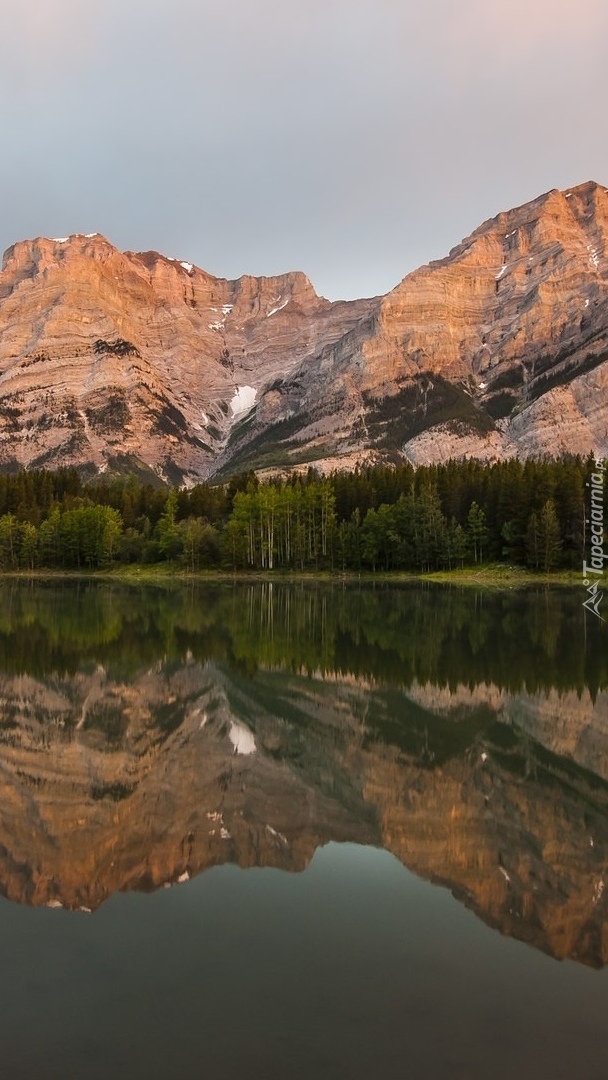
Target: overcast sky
351	139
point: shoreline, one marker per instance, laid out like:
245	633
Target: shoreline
492	576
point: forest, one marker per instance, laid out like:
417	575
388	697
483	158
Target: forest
532	514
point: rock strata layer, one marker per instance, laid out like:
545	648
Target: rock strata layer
136	361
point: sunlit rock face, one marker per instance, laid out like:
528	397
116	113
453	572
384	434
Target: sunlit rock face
140	362
498	349
134	760
107	355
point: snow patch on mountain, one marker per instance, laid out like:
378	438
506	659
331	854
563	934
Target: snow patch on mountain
243	400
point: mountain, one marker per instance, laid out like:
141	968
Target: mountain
499	349
108	357
143	363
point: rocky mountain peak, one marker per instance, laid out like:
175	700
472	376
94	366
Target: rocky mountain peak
140	358
43	251
497	349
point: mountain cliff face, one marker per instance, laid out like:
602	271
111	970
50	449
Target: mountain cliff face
108	357
497	350
123	360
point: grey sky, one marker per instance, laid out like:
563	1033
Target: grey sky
351	139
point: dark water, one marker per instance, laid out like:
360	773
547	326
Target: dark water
316	832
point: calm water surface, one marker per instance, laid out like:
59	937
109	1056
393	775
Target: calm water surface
299	831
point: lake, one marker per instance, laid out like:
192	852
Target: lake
304	831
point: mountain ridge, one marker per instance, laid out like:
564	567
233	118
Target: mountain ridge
498	349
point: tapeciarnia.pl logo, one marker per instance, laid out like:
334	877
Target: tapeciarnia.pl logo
596	522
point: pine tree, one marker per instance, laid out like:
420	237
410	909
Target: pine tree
533	546
550	543
477	530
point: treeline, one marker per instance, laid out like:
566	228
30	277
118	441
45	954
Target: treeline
531	514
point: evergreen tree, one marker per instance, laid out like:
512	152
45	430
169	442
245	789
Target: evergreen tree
477	531
533	544
549	536
170	540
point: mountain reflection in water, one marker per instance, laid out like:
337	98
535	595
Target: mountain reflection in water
148	733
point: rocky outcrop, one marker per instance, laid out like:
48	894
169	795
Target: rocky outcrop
136	361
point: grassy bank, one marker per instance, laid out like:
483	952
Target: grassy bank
491	575
499	575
